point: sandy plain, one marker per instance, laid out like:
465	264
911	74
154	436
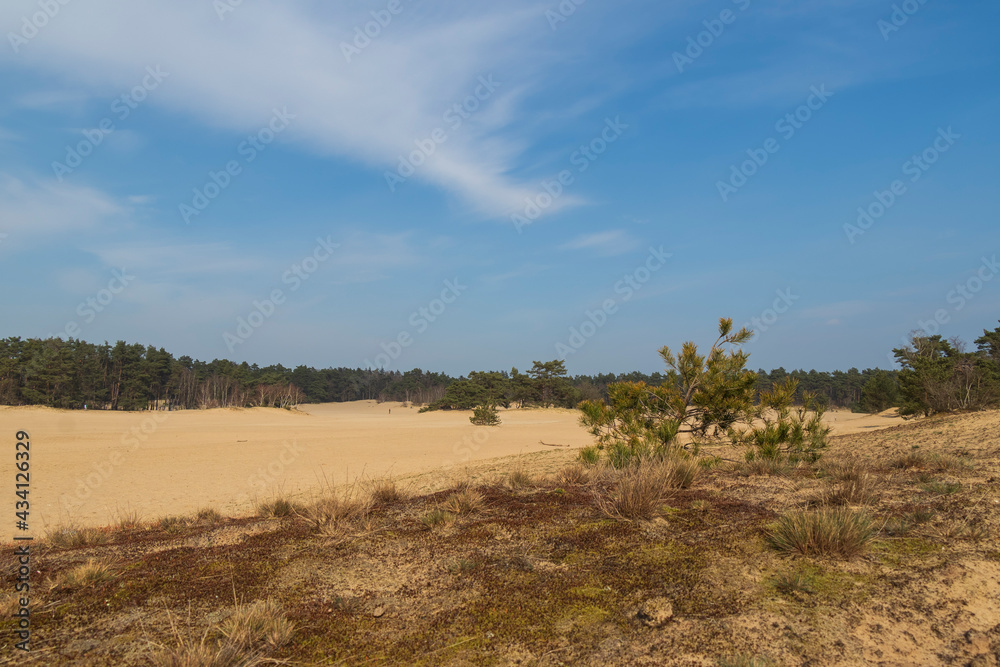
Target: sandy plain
88	468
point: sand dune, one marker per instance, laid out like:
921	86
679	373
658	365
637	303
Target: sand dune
87	467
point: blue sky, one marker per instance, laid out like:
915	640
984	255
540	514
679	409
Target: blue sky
399	192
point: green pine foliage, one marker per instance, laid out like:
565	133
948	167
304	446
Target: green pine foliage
708	398
485	415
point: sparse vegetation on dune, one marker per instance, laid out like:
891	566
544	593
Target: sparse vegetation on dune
596	564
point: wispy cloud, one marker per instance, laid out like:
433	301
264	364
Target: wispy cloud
45	206
372	109
609	243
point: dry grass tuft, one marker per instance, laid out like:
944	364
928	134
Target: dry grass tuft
92	573
209	515
277	507
640	490
387	492
934	461
573	475
333	511
519	478
71	537
202	655
830	532
127	519
859	489
463	502
438	517
765	466
260	624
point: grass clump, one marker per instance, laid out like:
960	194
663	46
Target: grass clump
209	515
92	573
573	475
438	517
640	490
71	537
387	492
941	488
261	624
791	584
173	524
464	501
519	478
858	489
127	519
334	511
278	507
202	654
828	532
775	467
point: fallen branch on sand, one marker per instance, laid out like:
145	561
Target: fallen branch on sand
548	445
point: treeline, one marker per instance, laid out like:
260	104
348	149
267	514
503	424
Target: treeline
73	374
936	376
940	376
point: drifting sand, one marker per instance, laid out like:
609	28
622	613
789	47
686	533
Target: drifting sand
89	467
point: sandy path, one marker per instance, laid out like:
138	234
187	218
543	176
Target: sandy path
87	467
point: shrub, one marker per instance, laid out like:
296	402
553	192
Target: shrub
828	532
706	397
485	415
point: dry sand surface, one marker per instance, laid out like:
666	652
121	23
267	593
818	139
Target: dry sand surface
89	467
